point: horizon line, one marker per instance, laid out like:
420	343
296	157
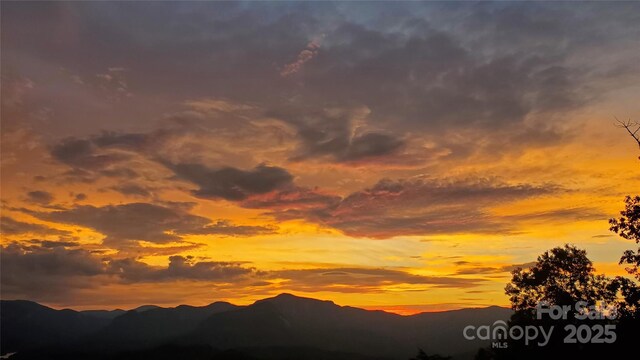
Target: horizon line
400	309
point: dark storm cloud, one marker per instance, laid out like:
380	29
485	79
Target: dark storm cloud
10	226
40	197
362	279
230	183
146	222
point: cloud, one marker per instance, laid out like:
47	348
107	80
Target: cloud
132	190
467	268
227	228
53	273
137	251
519	266
46	272
362	279
179	268
466	84
57	273
146	222
420	75
219	105
133	221
230	183
294	198
113	82
337	134
10	226
310	51
82	153
568	214
109	154
40	197
428	206
446	206
371	145
415	206
52	244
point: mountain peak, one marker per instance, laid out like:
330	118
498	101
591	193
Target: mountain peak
285	320
144	308
287	298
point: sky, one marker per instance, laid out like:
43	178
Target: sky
395	156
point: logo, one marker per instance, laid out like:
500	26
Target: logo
500	333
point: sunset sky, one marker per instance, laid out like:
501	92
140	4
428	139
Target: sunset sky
398	156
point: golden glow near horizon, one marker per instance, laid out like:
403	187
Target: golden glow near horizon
125	184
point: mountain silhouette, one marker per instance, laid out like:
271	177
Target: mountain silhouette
104	314
29	325
281	327
295	321
151	327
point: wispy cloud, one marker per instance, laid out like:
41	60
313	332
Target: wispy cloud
309	52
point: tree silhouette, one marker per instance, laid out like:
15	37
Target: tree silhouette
628	227
561	276
423	356
484	354
565	275
632	127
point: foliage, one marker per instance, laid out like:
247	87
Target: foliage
628	227
423	356
561	276
564	276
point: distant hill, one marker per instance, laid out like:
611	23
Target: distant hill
282	327
104	314
295	321
135	329
29	325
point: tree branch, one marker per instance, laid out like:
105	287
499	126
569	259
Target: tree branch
629	126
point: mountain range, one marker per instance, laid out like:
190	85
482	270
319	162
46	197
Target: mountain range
281	327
